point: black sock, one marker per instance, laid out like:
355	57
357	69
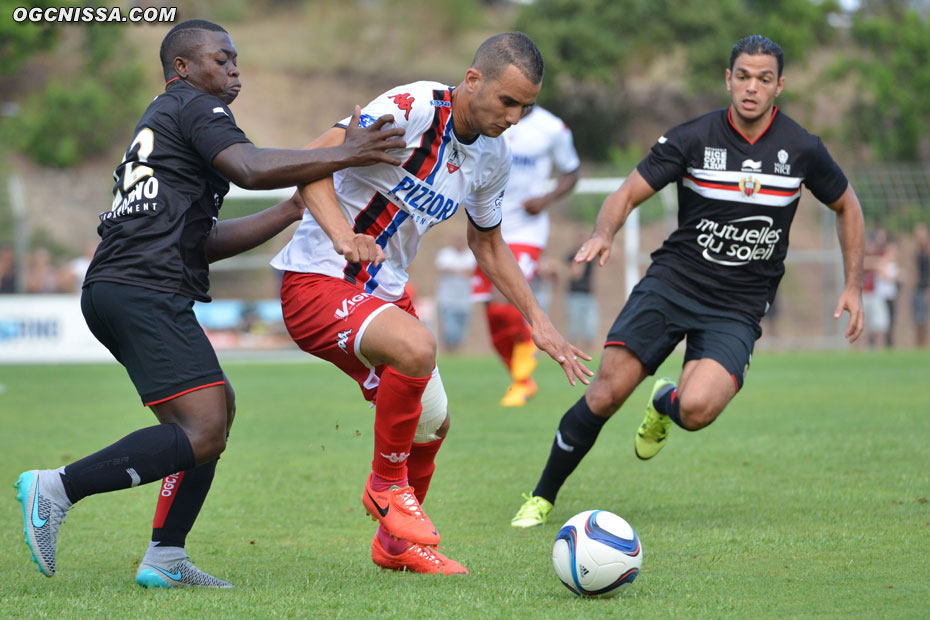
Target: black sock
138	458
667	402
178	507
577	432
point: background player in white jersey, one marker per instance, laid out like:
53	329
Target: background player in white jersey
343	291
540	144
739	173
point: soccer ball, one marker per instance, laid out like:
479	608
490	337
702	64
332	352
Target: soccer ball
597	553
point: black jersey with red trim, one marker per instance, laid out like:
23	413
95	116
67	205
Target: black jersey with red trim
736	201
167	196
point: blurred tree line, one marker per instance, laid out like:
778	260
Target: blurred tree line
609	65
88	97
599	51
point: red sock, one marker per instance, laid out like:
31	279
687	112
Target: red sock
383	484
391	544
507	328
397	411
421	465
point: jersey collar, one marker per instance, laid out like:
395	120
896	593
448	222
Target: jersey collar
771	120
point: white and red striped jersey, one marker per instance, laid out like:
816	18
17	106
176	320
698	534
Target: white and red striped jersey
398	204
539	143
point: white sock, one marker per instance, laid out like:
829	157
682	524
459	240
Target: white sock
163	555
50	486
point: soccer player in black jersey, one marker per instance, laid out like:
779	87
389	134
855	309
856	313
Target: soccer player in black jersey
739	173
150	267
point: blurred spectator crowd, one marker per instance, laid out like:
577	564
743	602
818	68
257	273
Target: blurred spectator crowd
41	273
896	290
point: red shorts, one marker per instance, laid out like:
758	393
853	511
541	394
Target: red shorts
327	316
527	257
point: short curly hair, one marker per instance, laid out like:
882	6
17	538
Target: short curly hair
182	40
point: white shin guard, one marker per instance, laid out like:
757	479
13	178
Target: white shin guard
435	408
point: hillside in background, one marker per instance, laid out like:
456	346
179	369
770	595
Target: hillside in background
304	67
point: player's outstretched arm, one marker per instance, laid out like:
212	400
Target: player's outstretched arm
231	237
850	229
321	201
616	208
254	168
497	261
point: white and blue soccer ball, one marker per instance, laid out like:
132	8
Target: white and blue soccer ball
597	553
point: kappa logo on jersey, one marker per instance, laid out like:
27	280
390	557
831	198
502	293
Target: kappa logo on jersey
349	304
782	166
739	241
715	159
420	197
749	186
403	101
342	340
456	160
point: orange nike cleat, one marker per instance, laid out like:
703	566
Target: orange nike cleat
416	558
400	513
519	393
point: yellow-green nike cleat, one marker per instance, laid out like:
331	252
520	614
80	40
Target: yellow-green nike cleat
533	512
653	432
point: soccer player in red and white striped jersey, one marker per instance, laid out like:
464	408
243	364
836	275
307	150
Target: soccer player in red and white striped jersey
343	290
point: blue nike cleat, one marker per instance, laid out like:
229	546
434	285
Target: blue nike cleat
177	574
42	518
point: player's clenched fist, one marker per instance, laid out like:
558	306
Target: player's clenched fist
360	248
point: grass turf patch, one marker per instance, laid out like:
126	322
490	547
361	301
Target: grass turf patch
806	498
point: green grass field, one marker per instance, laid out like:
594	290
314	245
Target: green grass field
806	499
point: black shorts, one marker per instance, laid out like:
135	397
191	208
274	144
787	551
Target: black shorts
656	318
155	335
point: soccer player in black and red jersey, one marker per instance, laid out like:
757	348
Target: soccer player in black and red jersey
739	172
150	267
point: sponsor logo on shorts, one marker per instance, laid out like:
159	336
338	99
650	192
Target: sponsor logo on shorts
349	304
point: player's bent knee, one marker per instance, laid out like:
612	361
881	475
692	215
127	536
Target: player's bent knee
434	419
208	447
695	414
603	399
420	353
